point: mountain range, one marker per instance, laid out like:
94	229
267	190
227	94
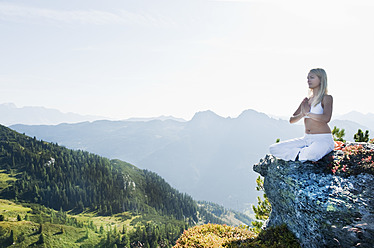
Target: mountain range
208	157
77	193
10	114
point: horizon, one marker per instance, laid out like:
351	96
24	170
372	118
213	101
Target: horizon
170	116
126	59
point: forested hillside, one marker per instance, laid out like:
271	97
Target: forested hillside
52	176
194	156
75	180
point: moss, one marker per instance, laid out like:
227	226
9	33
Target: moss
278	236
330	208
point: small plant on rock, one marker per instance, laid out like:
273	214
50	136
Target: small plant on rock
352	159
361	137
338	134
263	208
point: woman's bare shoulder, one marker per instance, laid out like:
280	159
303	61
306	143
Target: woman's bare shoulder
327	98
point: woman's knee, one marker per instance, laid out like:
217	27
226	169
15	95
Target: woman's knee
275	147
314	152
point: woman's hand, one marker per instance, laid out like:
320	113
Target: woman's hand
305	108
301	111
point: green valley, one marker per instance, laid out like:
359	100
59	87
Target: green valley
56	197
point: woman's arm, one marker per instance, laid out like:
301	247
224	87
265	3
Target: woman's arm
299	113
327	110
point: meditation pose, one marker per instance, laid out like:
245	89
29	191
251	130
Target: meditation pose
316	111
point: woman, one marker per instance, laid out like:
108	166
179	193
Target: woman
316	111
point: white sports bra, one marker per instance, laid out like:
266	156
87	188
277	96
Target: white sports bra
316	110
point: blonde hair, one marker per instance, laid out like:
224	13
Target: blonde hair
321	74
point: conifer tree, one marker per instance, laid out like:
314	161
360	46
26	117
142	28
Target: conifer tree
361	137
263	209
126	240
11	237
40	229
41	239
338	134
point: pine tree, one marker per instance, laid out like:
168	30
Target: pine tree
126	240
40	229
361	137
338	134
41	239
263	209
11	237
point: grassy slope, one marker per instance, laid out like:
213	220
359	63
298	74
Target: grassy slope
55	232
26	232
5	179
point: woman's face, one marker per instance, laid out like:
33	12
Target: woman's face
313	80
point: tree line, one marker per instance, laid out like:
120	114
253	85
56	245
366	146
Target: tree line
61	178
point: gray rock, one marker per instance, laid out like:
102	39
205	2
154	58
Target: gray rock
322	210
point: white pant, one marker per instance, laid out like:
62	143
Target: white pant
311	147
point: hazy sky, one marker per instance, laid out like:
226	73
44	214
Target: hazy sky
136	58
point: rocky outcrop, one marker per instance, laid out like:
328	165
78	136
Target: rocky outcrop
321	209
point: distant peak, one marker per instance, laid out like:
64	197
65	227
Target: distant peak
170	117
250	113
160	118
207	114
9	105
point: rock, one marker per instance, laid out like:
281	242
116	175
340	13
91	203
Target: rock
322	210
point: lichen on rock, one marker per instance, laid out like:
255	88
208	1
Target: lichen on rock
321	209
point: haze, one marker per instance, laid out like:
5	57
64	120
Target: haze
124	59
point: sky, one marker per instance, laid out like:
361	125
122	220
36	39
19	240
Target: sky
138	58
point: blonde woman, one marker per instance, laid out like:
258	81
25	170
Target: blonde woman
316	112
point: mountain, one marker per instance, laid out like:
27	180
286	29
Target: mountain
76	180
161	118
51	181
208	157
366	120
350	128
10	114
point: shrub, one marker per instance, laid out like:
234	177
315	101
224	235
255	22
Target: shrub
338	134
275	237
352	159
212	235
361	137
234	237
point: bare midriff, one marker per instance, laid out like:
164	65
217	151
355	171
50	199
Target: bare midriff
315	127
